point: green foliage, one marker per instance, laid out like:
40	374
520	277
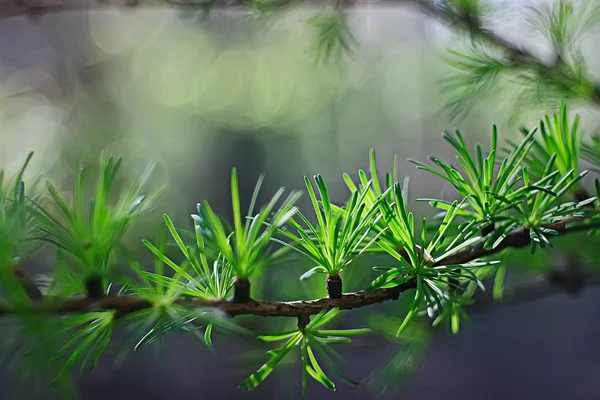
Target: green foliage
203	281
17	227
340	235
488	65
311	340
528	196
208	279
91	233
28	354
490	60
386	230
155	286
514	200
432	266
247	249
545	87
268	6
477	71
424	262
16	224
563	23
332	34
560	138
90	334
486	193
505	207
64	281
149	326
406	359
590	152
537	209
417	257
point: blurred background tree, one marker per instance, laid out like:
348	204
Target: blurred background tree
287	91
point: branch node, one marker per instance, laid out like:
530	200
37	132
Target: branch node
397	290
303	321
94	286
241	290
581	194
334	286
517	239
404	254
488	229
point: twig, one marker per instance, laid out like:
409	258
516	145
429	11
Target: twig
124	305
519	56
518	239
535	289
127	304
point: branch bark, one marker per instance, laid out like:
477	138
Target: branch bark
124	305
127	304
516	239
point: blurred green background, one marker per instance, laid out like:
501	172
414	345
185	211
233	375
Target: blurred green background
203	94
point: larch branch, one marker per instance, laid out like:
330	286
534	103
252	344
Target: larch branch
518	55
124	305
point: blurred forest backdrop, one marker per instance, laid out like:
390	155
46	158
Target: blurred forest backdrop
203	94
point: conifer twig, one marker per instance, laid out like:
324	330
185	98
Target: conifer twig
124	305
518	55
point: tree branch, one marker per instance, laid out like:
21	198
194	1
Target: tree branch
517	239
519	56
124	305
535	289
127	304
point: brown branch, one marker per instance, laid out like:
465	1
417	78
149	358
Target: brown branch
124	305
535	289
517	239
128	304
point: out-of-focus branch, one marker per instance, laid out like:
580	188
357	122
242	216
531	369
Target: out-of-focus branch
440	10
571	282
12	8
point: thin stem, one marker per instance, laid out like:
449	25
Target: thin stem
94	286
128	304
334	286
519	55
303	321
241	290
